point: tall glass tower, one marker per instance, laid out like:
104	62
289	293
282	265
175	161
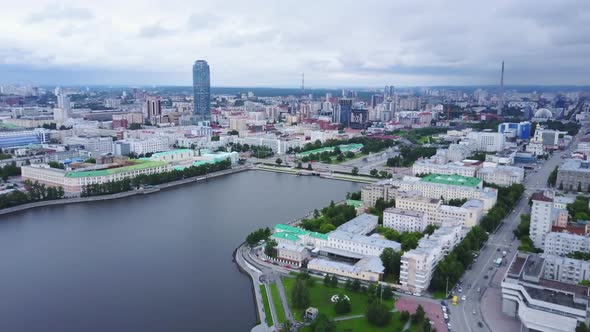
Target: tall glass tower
201	91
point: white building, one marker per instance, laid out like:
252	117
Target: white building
95	145
561	243
148	145
541	304
429	167
404	220
501	175
418	265
487	141
565	269
541	222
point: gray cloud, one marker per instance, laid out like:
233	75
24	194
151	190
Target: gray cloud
203	21
57	13
154	31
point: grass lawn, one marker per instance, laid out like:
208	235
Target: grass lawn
440	295
320	297
266	306
356	155
362	325
274	292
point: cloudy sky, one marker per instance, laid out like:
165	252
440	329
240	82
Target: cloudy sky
270	43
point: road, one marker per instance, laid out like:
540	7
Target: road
483	275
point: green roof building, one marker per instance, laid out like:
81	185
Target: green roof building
453	180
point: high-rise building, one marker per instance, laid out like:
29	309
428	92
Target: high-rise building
540	219
63	102
501	102
345	107
154	108
201	90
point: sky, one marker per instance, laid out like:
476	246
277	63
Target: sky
271	43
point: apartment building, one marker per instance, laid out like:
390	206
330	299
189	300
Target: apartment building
564	269
404	220
95	145
540	303
487	141
418	265
541	222
562	243
436	213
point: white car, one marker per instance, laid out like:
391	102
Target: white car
444	309
463	298
445	316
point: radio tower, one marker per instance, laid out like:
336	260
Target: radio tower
303	83
501	91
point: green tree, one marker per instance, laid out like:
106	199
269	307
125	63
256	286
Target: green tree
418	316
552	179
356	285
300	294
355	171
342	305
333	282
404	316
90	161
374	172
327	280
349	154
582	327
584	282
323	324
378	314
287	326
279	161
348	285
215	138
269	249
340	157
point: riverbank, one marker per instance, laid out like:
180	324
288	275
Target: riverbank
324	175
160	187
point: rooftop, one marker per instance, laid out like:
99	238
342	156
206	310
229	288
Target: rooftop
368	240
298	231
411	213
453	180
362	224
139	165
575	165
539	196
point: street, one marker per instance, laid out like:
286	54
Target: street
484	275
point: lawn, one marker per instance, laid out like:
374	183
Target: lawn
274	293
362	325
267	312
356	155
320	297
439	295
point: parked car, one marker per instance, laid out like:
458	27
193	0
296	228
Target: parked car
463	298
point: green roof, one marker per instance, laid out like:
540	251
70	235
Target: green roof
166	153
343	147
454	180
296	231
354	203
139	165
286	236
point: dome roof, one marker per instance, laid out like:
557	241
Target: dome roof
543	113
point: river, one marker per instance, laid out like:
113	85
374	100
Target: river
161	262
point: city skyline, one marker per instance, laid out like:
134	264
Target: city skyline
268	45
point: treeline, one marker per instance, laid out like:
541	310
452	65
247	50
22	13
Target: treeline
9	170
522	233
355	195
380	206
408	240
258	151
329	218
35	192
507	197
552	179
326	156
572	128
454	264
415	135
370	144
579	209
579	255
113	187
258	235
408	155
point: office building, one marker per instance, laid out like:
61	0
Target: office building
201	90
63	102
16	138
344	111
404	220
154	109
542	304
501	175
521	130
487	141
95	145
452	168
574	175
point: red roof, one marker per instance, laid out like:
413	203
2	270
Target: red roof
540	197
573	229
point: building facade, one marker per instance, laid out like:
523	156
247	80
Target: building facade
404	220
201	90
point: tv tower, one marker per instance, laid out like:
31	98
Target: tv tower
501	91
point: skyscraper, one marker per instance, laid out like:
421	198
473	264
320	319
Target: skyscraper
501	91
154	108
63	102
201	91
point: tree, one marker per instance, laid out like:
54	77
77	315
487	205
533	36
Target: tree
584	282
215	138
323	324
418	316
348	285
300	293
374	172
90	161
340	157
404	316
279	161
269	249
349	154
582	327
378	314
333	282
355	171
342	305
356	285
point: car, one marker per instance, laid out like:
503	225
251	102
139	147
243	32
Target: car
498	249
460	289
463	298
478	290
445	316
480	324
485	277
449	325
473	312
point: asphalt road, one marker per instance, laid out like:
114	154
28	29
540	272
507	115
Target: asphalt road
466	315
